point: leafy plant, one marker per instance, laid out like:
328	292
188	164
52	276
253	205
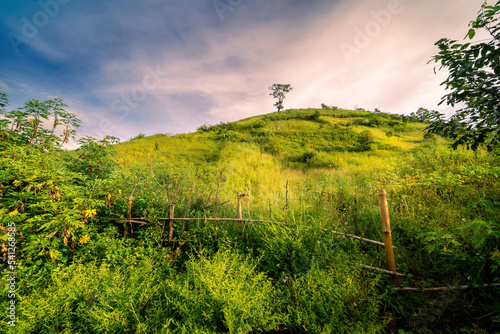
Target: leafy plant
474	80
96	158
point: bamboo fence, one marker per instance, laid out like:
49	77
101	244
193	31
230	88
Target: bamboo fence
386	230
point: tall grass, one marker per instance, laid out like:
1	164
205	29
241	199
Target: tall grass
304	174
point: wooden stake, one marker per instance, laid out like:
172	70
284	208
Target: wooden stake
171	228
386	228
248	200
286	197
240	214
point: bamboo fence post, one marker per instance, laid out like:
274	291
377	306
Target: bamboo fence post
171	227
386	228
286	197
248	200
240	214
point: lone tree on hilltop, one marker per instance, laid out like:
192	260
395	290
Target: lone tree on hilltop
474	82
278	92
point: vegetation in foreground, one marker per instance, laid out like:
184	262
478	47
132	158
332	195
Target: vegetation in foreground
82	267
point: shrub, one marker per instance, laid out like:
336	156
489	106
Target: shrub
202	128
139	136
315	116
93	300
366	141
222	293
325	160
333	300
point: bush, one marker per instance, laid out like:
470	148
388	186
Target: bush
332	300
219	293
139	136
366	141
325	160
315	116
202	128
223	293
94	300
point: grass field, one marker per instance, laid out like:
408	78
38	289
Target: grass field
304	173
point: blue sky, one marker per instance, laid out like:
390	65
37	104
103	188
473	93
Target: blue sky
169	66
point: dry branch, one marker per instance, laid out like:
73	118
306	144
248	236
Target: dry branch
393	273
360	238
459	287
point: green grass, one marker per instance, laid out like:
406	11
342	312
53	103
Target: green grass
304	175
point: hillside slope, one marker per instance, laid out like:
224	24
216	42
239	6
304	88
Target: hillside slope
98	254
295	146
298	138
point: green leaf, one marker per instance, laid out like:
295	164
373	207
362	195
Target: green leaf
471	33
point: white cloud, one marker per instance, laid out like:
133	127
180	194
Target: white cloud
220	72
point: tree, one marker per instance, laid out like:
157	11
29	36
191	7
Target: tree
474	83
97	157
25	125
424	115
278	92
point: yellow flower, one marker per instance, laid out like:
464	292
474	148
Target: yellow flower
84	239
90	213
13	213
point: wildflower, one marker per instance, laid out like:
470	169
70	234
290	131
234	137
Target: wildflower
13	213
84	239
90	213
355	304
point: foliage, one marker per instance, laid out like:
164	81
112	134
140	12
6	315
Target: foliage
324	106
139	136
473	81
223	293
424	115
95	299
27	128
85	267
96	158
279	92
49	204
326	298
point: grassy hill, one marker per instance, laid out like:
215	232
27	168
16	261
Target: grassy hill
304	174
325	167
307	148
297	138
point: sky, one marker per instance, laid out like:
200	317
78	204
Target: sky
169	66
